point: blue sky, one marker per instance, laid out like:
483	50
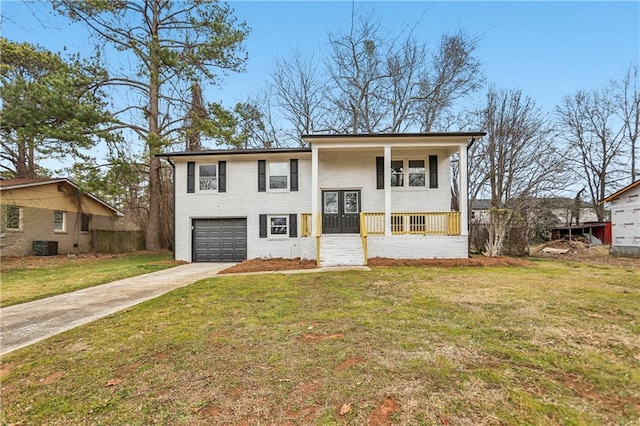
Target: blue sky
547	49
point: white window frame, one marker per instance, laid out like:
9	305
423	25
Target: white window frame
217	177
6	218
286	175
406	184
278	236
409	173
64	222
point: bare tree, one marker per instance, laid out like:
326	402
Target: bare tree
358	72
595	141
514	163
454	73
627	99
298	90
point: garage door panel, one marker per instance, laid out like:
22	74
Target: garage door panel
220	240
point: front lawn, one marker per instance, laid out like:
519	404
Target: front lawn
548	343
30	278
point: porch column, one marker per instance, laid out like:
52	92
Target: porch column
314	192
387	190
463	201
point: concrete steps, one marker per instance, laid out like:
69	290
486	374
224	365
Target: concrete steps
341	250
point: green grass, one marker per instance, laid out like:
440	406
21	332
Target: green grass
37	278
547	344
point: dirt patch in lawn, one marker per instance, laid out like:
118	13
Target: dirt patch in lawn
579	251
272	264
448	263
36	262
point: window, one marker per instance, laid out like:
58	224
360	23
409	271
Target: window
58	221
207	177
278	226
85	219
397	173
278	175
416	173
13	219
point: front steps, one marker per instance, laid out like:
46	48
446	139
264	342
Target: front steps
341	250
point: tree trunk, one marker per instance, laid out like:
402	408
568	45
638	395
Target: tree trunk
153	140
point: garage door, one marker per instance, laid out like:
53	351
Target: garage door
220	240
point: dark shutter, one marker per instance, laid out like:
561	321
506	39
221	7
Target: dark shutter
293	171
293	225
222	176
380	172
262	176
433	171
191	177
263	226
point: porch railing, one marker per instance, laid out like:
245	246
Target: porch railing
414	223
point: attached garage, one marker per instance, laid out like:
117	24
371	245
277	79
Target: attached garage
219	240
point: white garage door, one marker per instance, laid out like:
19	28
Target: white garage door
220	240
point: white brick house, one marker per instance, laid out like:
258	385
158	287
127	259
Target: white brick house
345	199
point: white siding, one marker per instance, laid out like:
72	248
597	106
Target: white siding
241	199
625	220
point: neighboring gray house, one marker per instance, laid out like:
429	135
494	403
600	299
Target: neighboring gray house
625	220
562	208
343	200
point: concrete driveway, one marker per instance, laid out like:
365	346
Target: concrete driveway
27	323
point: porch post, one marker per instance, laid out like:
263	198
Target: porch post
463	201
387	190
314	192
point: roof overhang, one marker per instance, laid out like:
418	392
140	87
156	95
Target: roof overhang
7	185
620	192
233	152
396	140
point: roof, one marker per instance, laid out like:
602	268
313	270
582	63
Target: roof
394	135
232	151
8	184
620	192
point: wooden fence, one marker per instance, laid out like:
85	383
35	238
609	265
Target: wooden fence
117	241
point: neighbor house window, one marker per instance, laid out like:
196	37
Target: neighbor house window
207	177
278	175
278	226
58	221
84	222
397	173
13	217
416	173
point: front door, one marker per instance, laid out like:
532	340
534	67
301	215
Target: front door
341	212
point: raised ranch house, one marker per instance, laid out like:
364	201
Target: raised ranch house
343	200
625	220
50	216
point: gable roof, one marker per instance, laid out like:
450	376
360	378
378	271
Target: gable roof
620	192
8	184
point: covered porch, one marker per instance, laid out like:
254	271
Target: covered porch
388	190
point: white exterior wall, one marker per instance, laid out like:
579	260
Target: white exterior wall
241	200
357	170
625	221
339	169
418	246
